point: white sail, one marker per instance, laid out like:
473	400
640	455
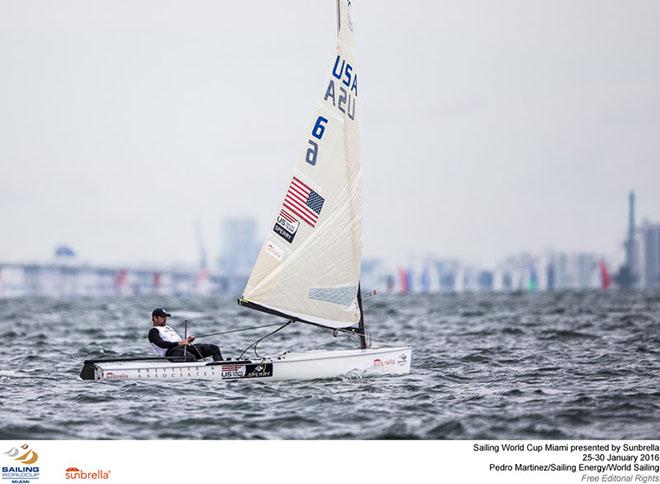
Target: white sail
309	265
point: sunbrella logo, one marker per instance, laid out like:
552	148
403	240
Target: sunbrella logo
17	472
75	473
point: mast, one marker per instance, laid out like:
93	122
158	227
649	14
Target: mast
362	333
361	328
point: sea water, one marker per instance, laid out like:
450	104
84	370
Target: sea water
565	365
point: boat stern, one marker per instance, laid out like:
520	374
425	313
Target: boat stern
88	371
396	361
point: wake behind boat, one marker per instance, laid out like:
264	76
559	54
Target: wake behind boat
308	269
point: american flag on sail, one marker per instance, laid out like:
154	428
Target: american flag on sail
304	202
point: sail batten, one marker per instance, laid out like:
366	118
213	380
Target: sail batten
309	265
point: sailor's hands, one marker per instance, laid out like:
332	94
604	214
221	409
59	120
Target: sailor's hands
187	341
191	339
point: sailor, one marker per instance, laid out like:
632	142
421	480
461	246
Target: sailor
167	342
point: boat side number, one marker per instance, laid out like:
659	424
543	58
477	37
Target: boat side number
317	133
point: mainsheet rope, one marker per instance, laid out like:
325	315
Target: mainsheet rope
347	332
237	330
343	330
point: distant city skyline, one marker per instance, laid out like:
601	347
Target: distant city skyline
68	275
215	255
487	130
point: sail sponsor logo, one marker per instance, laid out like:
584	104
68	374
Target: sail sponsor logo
274	250
403	359
22	469
75	473
286	226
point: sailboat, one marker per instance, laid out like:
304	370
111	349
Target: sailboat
308	268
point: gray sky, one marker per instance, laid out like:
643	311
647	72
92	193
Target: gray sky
487	127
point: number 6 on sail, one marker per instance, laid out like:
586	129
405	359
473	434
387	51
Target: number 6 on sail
317	132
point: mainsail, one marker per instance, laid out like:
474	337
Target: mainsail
309	266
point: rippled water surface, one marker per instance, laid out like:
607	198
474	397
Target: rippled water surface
567	365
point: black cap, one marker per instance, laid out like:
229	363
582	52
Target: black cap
160	312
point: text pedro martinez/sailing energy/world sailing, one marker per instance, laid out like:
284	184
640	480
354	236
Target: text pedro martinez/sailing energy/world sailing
590	453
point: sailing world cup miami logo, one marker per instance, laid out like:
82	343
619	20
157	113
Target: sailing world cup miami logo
22	469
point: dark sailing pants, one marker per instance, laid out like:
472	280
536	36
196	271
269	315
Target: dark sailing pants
196	351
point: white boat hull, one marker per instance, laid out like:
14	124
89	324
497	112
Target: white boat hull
309	365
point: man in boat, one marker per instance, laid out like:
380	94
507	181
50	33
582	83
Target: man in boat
168	344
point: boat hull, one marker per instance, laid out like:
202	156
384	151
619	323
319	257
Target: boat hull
309	365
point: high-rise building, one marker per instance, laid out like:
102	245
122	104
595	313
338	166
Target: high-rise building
239	246
551	284
627	276
630	241
650	255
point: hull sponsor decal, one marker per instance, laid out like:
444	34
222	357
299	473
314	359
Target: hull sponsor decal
249	370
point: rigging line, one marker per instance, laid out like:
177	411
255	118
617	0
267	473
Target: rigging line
351	339
351	336
367	335
350	331
237	330
263	338
185	336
